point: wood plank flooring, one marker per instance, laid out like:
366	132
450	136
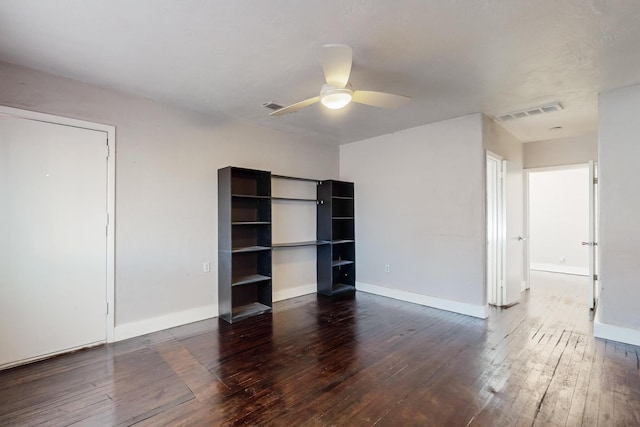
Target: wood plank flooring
362	361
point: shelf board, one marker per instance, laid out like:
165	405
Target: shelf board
294	199
249	196
342	217
249	249
296	244
248	310
293	178
338	263
342	198
253	278
341	241
250	223
341	288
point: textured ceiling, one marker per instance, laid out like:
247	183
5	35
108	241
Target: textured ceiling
453	57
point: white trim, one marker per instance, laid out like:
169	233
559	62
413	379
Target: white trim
111	182
294	292
557	268
480	311
615	333
558	168
171	320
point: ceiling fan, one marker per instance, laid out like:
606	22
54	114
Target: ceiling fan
337	92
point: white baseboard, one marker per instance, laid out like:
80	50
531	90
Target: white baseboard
615	333
298	291
479	311
557	268
146	326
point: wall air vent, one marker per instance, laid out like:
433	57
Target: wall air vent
272	106
549	108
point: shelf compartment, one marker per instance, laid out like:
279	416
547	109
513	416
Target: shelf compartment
342	208
246	265
297	244
344	274
340	262
250	210
250	182
342	189
343	229
345	252
253	278
248	235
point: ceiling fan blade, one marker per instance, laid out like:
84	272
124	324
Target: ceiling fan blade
295	107
336	63
379	99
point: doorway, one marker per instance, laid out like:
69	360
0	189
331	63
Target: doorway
56	254
561	220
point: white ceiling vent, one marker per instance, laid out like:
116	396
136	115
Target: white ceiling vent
549	108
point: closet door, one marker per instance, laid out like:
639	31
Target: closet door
53	246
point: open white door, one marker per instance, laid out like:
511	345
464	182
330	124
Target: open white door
593	237
495	230
514	234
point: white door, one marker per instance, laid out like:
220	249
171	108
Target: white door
53	198
514	234
495	229
593	238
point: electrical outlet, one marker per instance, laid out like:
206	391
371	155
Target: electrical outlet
206	266
387	268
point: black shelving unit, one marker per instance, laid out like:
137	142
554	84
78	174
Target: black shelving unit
244	243
336	267
245	240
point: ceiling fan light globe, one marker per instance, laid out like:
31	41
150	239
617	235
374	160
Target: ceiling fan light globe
335	98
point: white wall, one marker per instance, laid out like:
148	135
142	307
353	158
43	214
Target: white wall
419	200
166	189
561	151
619	182
497	140
559	220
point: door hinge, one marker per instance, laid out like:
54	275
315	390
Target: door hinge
106	308
106	227
595	180
108	150
595	277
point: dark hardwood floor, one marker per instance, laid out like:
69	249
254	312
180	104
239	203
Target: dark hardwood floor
365	361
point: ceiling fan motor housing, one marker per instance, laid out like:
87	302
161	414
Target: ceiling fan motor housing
335	97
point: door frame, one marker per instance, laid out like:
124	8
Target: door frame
501	246
110	214
527	214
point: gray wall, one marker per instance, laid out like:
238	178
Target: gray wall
619	181
166	185
420	209
562	151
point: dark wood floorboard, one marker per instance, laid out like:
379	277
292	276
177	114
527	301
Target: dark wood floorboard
359	361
